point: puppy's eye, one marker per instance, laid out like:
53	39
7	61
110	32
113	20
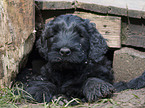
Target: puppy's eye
51	36
81	36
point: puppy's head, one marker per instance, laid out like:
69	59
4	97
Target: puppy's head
71	39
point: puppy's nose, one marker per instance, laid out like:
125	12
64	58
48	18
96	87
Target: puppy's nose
65	51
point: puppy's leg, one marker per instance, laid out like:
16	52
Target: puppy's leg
95	88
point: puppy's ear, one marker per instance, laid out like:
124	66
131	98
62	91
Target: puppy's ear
41	43
98	45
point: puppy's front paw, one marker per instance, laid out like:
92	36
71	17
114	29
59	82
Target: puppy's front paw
40	94
95	89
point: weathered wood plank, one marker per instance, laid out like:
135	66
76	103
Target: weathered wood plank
133	32
56	5
130	4
112	10
122	8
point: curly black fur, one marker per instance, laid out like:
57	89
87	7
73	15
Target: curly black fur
76	62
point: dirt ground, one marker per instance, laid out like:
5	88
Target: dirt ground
124	99
131	98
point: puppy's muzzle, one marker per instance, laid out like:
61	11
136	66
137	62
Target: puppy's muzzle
65	51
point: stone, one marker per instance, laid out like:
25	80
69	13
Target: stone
16	37
128	63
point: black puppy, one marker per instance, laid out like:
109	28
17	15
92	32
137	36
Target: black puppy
76	63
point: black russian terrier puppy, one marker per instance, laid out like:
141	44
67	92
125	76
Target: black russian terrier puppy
76	62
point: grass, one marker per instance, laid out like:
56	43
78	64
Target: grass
12	97
61	102
16	97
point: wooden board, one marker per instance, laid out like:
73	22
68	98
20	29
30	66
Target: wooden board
133	32
123	8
